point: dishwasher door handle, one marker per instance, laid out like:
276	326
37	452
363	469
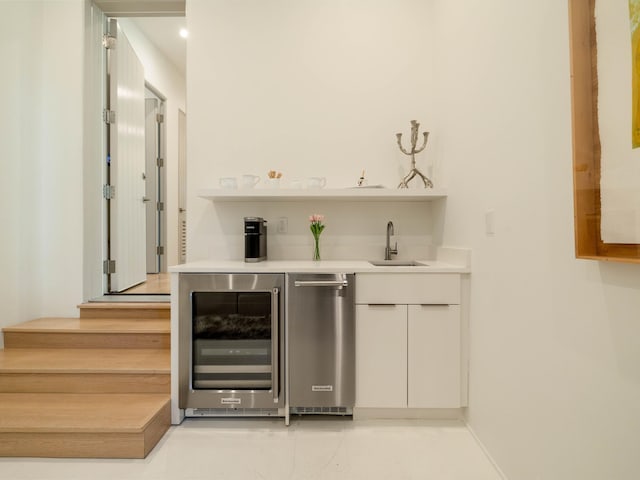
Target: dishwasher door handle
321	283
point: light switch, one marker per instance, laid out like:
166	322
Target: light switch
490	222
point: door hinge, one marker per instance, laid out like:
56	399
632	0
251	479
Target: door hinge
160	206
109	41
109	192
109	267
159	118
160	250
160	162
108	116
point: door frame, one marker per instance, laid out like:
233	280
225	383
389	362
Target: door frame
182	186
161	191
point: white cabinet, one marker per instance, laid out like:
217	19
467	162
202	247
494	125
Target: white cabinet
408	341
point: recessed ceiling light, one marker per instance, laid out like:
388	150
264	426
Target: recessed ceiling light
184	33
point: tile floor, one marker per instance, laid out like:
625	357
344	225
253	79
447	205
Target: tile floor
311	448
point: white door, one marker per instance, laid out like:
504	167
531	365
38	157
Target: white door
127	231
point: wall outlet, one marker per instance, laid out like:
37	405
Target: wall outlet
283	225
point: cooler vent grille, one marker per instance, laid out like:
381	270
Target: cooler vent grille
231	412
322	410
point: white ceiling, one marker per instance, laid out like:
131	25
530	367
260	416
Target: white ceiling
164	33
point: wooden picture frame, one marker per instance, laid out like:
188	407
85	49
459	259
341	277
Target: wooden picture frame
586	141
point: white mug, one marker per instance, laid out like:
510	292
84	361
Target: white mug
250	181
228	182
316	182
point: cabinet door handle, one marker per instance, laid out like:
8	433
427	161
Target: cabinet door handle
382	304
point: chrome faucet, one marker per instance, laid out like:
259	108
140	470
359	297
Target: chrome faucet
388	251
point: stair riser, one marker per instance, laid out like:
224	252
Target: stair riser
85	340
84	383
72	445
123	312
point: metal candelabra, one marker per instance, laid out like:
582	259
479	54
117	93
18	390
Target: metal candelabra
414	171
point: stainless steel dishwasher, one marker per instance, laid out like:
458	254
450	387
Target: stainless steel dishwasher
321	343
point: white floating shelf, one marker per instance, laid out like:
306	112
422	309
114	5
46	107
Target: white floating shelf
343	194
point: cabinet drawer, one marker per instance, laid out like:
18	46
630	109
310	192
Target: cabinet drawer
408	288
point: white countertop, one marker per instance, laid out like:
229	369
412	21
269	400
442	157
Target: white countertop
322	266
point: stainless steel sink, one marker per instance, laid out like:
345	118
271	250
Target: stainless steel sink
396	263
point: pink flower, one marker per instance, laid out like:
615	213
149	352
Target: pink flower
316	224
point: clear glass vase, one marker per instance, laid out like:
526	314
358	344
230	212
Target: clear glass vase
316	248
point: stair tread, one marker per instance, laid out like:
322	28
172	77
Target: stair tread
97	360
92	325
78	413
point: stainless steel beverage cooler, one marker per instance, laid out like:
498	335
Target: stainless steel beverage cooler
321	343
231	348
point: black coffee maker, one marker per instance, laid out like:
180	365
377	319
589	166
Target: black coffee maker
255	239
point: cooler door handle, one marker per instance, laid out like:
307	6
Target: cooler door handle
275	352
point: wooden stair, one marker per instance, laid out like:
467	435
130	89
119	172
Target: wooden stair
88	333
89	387
81	425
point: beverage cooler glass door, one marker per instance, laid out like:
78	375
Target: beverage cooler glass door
230	335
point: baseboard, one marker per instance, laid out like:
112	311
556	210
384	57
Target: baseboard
360	413
485	451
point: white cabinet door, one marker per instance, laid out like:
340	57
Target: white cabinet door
381	356
434	356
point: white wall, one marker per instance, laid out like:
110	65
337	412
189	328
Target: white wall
555	356
167	79
555	350
41	161
308	88
94	96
